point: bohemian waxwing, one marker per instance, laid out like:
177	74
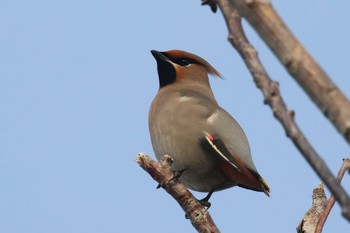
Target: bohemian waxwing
207	145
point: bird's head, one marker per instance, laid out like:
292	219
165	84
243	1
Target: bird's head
177	66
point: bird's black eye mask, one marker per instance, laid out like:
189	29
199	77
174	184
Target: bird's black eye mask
166	69
182	61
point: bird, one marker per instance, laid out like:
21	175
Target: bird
209	149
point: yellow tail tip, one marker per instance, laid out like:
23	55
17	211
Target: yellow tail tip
265	187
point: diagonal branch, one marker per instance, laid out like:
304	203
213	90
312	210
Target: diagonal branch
164	175
299	63
273	98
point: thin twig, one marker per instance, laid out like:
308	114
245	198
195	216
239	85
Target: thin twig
274	99
164	175
321	221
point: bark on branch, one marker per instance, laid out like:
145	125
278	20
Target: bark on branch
299	63
314	219
271	91
345	167
164	175
310	219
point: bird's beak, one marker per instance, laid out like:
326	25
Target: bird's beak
159	56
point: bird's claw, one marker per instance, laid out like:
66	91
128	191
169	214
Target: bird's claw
177	175
205	203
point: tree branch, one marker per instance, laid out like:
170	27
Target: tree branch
299	63
316	216
309	221
164	175
273	98
321	221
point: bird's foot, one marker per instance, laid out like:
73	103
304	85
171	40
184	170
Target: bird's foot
205	201
177	175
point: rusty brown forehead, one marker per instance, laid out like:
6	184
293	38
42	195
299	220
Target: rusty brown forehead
192	58
182	54
179	54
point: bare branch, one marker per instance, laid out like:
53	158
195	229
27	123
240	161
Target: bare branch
345	167
316	216
273	98
299	63
164	175
309	221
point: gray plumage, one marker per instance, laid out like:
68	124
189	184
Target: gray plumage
183	113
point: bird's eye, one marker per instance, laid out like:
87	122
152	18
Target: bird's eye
185	62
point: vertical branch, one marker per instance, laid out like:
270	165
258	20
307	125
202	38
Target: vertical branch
309	221
345	167
273	98
315	218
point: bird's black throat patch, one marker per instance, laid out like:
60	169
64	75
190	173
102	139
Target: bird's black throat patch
166	70
166	73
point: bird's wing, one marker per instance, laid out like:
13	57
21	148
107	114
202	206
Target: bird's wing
227	140
218	147
222	126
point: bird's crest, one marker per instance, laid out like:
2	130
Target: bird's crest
179	55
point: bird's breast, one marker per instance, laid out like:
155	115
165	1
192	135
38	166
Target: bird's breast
177	127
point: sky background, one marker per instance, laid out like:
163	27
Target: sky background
76	82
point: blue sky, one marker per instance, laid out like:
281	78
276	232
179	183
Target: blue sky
76	83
